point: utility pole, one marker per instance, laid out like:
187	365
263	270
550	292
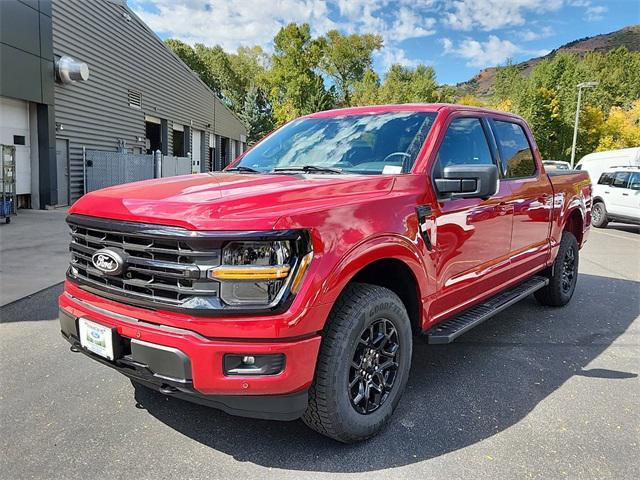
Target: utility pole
575	126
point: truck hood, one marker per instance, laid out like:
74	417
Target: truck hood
226	201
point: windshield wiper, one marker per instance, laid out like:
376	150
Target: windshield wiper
242	168
308	168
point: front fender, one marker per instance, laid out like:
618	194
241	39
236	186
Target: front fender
378	248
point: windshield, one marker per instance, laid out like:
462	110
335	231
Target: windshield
365	144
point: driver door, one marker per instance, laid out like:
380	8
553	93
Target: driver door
473	235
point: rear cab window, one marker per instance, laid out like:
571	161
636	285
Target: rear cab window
515	152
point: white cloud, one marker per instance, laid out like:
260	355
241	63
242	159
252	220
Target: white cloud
223	23
592	13
492	52
530	35
394	55
595	13
410	24
494	14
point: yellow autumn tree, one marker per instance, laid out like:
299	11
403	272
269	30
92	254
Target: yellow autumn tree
621	129
471	101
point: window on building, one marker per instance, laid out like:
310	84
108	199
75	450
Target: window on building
515	151
18	140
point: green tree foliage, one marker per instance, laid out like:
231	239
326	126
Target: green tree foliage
408	85
256	115
366	90
346	58
293	77
547	99
306	74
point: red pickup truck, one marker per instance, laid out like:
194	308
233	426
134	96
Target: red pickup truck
294	283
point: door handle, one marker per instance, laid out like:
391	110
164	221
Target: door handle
543	198
625	194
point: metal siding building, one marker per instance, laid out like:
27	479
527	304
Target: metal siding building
135	82
26	97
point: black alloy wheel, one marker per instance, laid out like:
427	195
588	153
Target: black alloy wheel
374	366
568	270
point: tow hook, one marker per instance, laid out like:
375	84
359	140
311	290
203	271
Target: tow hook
168	389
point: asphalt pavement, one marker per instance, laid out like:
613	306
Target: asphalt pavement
534	392
34	252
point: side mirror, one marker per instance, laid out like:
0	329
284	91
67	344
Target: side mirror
468	181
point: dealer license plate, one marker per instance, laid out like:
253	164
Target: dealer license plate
96	338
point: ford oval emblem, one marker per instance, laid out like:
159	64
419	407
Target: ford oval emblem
108	261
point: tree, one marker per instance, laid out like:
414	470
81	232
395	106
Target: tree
221	71
544	116
622	128
346	59
189	56
319	98
256	115
470	100
366	91
408	85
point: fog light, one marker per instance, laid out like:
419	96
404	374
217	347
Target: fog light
235	364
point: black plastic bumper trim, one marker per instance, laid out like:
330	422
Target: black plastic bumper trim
270	407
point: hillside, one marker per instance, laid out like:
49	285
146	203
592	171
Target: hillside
482	83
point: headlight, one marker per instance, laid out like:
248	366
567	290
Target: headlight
258	272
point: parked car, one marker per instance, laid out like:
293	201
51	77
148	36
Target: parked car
598	162
616	197
292	284
552	165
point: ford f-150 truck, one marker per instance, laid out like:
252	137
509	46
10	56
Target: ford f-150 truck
293	283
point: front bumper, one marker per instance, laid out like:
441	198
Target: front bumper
188	365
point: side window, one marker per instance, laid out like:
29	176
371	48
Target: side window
634	182
621	179
605	178
464	144
515	151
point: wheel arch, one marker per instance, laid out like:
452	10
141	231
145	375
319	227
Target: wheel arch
391	262
575	224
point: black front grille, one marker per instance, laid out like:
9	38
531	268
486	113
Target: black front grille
163	266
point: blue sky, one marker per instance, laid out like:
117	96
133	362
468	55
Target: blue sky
456	37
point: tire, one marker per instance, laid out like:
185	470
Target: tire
599	215
362	311
562	283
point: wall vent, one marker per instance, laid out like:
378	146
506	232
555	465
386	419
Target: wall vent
135	98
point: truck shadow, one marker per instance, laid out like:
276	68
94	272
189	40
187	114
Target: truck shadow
457	395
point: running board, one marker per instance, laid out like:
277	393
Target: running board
449	330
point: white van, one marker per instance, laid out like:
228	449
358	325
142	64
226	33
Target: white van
596	163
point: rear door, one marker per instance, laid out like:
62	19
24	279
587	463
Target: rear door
617	194
472	235
532	197
632	203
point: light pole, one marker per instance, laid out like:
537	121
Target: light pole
575	126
